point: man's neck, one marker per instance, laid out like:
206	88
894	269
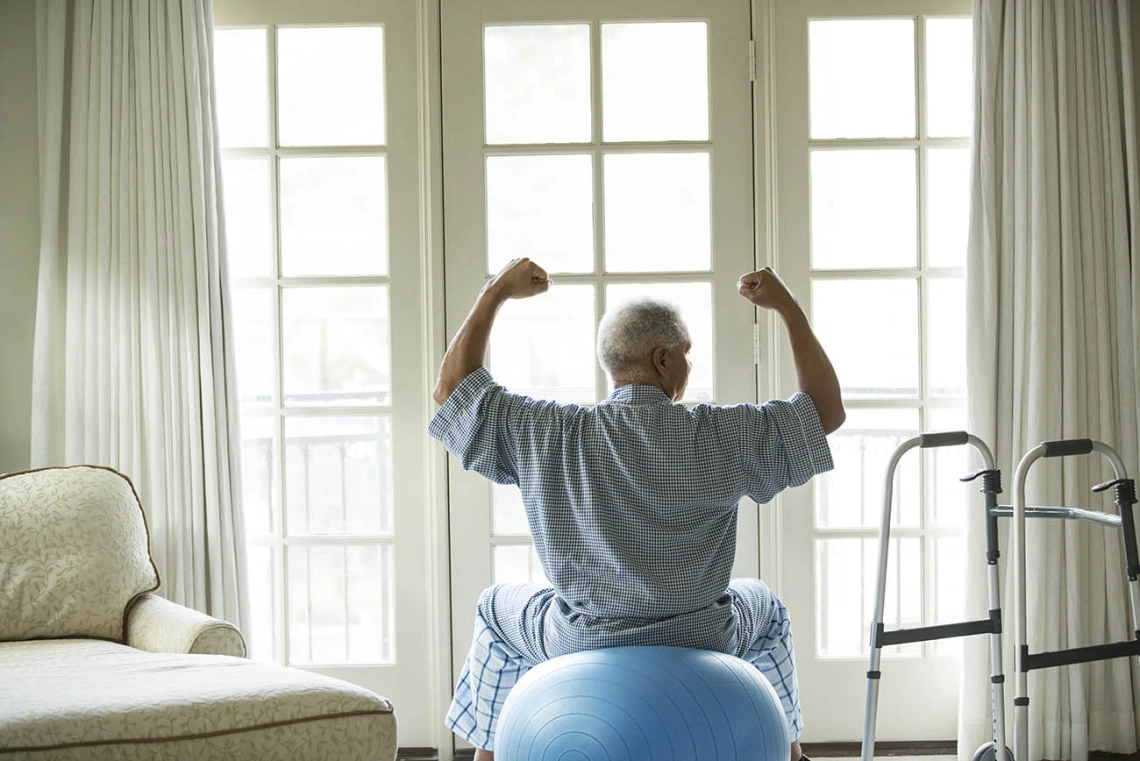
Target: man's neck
622	382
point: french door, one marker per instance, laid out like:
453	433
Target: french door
624	146
318	123
872	116
610	141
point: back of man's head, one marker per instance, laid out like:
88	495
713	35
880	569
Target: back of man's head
630	332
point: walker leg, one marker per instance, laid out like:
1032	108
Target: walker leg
991	488
870	715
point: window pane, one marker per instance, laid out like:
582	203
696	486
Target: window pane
340	604
655	81
951	497
334	216
330	87
946	336
336	345
862	78
695	302
253	337
657	212
851	496
249	224
950	587
847	597
537	83
949	77
262	603
870	330
947	206
518	563
841	601
544	346
541	207
257	473
338	475
242	87
863	209
509	512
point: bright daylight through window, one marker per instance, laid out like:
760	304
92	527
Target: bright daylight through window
305	172
889	214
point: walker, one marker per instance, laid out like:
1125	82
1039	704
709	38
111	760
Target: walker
1125	497
880	638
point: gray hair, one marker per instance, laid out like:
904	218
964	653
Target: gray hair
630	331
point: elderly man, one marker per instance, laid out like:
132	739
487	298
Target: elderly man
631	503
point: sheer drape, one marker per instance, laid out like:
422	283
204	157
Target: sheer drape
1053	304
133	350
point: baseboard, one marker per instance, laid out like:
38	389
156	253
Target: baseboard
834	750
849	750
417	754
883	748
922	748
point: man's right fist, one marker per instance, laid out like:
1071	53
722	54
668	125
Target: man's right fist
520	279
764	288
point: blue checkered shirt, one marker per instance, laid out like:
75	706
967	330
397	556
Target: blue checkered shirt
632	503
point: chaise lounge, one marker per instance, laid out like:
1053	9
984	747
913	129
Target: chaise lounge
95	665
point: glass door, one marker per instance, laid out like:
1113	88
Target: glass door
317	117
610	141
872	121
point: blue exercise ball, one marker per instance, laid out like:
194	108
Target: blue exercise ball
643	704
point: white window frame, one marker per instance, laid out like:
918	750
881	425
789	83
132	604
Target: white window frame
471	521
419	680
784	144
434	521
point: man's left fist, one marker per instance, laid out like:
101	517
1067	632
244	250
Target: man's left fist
520	279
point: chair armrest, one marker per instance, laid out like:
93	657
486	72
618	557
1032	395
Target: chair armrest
159	626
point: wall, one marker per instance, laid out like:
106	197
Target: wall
19	227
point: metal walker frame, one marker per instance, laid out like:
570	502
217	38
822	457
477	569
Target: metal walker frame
880	638
1124	490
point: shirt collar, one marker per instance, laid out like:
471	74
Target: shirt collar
638	393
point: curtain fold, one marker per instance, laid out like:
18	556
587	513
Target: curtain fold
1053	303
133	359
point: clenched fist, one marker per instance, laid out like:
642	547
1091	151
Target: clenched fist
520	279
764	288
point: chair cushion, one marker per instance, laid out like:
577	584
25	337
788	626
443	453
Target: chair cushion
89	699
74	553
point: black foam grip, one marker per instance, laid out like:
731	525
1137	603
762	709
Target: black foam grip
1067	447
945	439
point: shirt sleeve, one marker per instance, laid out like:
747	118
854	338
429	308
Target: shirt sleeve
782	444
481	423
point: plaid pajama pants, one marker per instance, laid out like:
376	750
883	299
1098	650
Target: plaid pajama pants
493	667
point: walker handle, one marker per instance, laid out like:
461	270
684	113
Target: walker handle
1067	447
944	439
1109	484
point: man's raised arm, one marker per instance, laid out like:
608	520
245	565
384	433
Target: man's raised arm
814	372
520	279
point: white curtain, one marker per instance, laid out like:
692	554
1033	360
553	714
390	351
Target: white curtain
133	346
1053	301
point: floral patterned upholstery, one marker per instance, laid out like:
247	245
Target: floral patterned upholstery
74	553
75	571
88	699
160	626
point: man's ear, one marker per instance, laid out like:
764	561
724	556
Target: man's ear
661	360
